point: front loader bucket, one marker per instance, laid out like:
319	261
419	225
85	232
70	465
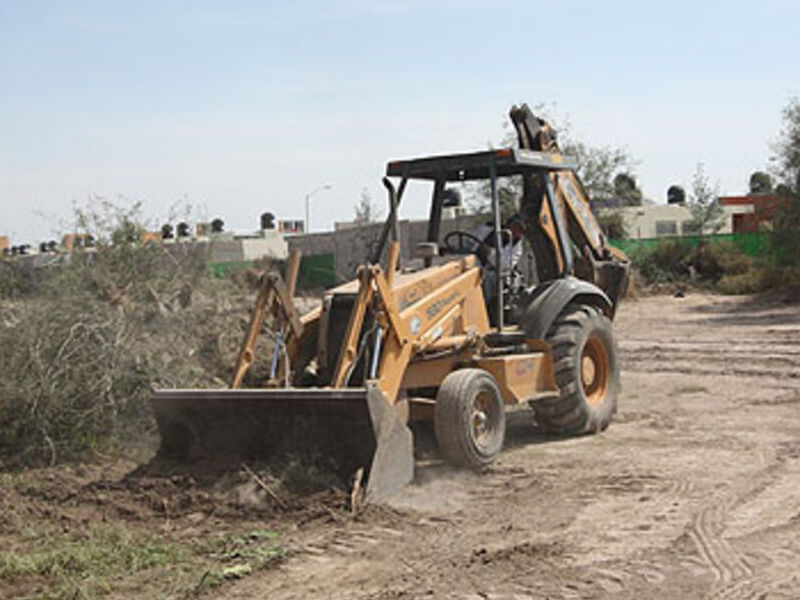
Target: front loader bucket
349	427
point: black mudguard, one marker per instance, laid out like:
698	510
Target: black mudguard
543	303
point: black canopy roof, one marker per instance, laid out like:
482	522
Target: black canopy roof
475	165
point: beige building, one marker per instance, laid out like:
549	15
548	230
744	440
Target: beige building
241	247
661	220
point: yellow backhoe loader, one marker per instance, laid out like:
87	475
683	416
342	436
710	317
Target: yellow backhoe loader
422	343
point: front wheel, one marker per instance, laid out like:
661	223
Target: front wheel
470	418
586	371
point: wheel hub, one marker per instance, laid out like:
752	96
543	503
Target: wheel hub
589	371
595	370
481	420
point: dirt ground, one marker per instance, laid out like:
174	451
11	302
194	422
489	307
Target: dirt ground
693	492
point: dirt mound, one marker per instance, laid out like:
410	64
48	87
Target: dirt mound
81	531
161	495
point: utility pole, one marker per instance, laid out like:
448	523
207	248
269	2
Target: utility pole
308	197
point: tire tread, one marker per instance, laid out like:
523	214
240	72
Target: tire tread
570	412
450	422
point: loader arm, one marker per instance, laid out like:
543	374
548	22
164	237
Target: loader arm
294	332
273	296
410	323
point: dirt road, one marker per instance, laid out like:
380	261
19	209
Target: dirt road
693	492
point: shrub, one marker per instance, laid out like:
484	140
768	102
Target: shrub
750	282
709	261
14	279
668	261
785	236
82	344
613	225
713	260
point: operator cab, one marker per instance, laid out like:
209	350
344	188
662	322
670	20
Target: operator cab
502	282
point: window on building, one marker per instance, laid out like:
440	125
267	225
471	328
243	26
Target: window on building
666	228
689	228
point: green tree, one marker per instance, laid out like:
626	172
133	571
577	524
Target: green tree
366	210
597	168
707	213
612	222
115	222
785	236
509	192
787	157
787	221
626	191
760	183
676	195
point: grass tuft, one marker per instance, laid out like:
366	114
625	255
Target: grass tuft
90	566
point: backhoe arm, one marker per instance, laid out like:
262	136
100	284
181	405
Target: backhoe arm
558	216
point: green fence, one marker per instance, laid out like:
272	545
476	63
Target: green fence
318	270
220	269
756	244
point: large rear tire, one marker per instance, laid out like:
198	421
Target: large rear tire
586	371
470	418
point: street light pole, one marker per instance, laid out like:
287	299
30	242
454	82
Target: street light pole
308	197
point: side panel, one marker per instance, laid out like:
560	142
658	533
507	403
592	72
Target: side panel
427	319
522	377
430	373
409	288
580	214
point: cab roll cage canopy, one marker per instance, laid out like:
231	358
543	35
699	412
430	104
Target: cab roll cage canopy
489	164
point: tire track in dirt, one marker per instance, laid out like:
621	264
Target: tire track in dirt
663	499
680	488
653	571
769	350
759	357
753	341
706	532
735	577
680	369
758	586
769	361
667	505
749	589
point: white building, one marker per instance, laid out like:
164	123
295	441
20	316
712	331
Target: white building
661	220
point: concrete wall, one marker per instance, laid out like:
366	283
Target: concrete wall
351	246
228	248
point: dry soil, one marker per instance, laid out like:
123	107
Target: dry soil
692	492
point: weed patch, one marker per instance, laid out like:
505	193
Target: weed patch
94	565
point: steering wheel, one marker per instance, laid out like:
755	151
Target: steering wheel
462	247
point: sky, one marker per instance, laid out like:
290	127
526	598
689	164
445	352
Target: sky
237	108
